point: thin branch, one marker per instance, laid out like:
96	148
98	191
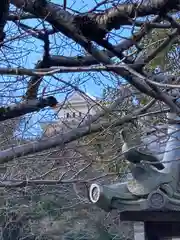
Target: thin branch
13	16
100	56
54	70
160	95
62	139
4	10
115	17
39	34
89	60
62	22
29	182
23	108
174	23
171	37
151	25
34	83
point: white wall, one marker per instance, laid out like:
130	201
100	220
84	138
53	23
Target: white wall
138	231
83	109
76	104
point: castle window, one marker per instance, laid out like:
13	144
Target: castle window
67	115
74	114
80	114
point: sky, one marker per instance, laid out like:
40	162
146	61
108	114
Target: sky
92	83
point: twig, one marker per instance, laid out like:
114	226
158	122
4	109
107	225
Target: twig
23	108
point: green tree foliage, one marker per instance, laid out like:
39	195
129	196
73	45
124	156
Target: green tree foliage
166	56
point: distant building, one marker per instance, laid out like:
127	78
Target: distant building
77	106
70	112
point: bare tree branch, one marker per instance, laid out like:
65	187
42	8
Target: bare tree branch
112	18
29	182
28	106
59	61
119	15
4	11
34	83
62	139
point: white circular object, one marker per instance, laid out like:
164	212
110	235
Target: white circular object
94	193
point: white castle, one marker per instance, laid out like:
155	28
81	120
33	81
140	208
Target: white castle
76	108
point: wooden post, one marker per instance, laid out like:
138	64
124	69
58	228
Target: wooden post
157	225
156	231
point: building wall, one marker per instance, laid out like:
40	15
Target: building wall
77	106
139	231
76	109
